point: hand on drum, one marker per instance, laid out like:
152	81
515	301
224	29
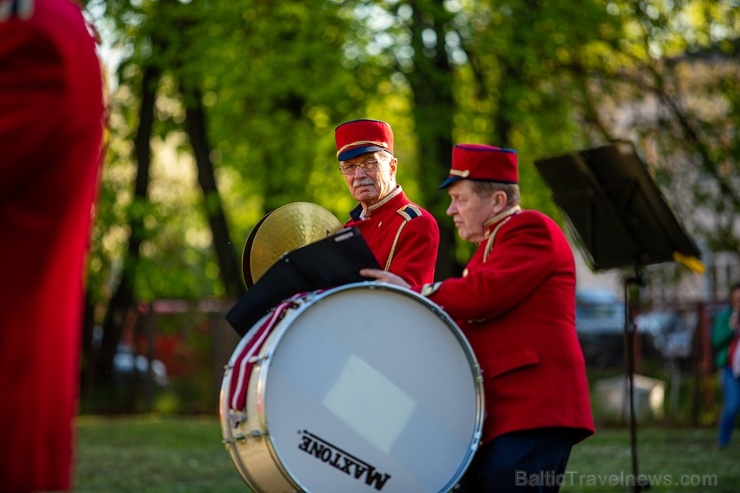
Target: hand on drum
385	276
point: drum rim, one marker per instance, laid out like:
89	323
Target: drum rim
229	438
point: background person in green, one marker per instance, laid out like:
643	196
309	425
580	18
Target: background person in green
725	338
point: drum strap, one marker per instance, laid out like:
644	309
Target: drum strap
244	363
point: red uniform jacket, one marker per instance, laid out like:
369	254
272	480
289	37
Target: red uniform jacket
516	306
403	236
51	116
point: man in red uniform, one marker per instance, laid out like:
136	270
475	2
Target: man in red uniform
516	305
51	123
403	237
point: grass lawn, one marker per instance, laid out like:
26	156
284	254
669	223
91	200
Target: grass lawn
150	454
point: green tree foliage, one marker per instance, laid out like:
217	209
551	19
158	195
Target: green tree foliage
274	77
674	68
520	81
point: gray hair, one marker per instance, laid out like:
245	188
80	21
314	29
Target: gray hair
485	188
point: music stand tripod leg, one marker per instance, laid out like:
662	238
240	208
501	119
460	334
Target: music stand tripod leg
629	346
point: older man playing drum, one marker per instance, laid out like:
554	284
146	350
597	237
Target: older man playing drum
515	302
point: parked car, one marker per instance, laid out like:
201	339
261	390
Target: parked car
600	326
125	363
667	333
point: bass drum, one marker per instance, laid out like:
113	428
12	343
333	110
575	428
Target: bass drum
366	387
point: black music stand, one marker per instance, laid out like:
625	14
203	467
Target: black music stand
621	220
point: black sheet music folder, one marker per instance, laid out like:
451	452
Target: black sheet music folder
327	263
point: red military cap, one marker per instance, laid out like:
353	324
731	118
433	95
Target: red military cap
483	163
361	136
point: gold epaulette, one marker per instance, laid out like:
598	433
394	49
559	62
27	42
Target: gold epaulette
409	212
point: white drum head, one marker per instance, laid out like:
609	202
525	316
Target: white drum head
372	388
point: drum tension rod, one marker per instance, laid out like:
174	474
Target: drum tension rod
237	438
243	437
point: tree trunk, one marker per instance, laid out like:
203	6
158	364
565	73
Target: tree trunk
196	126
431	85
123	296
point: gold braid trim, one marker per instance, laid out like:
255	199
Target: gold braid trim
404	212
509	214
395	242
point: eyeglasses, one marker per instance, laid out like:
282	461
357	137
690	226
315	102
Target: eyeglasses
349	168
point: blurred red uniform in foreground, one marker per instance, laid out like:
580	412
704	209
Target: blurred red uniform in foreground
51	123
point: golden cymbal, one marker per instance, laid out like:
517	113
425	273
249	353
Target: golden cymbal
286	228
246	268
